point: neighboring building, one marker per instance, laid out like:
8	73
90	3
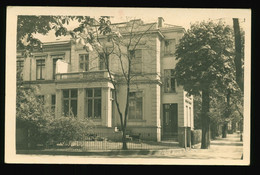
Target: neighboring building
75	82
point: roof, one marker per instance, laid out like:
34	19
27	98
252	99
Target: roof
123	27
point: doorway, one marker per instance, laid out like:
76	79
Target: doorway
170	119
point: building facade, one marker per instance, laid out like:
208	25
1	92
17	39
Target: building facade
75	82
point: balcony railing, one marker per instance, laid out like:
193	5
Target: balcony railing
104	75
90	75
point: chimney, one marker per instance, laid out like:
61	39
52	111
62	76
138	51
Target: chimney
160	22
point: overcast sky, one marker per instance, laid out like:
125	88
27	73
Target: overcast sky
176	16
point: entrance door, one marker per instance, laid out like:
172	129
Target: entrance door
170	119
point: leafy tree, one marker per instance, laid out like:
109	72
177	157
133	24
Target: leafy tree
239	53
31	113
119	45
27	26
89	33
204	55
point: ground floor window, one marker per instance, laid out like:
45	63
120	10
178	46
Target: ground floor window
40	98
70	102
53	102
93	103
135	105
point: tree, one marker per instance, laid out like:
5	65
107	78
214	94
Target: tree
103	38
27	26
109	40
32	115
204	55
239	56
238	60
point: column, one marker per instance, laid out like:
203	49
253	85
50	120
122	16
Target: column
58	108
81	103
106	107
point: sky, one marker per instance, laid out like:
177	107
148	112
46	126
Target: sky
176	16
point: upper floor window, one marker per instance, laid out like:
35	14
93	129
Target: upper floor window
84	62
70	102
93	103
40	69
103	61
169	80
169	46
136	60
135	105
19	65
54	65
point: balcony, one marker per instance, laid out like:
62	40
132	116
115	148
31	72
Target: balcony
103	75
83	76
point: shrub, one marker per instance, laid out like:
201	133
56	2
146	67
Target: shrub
31	117
195	136
64	130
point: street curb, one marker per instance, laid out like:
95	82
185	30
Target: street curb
103	152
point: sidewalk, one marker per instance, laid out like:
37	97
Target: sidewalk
221	148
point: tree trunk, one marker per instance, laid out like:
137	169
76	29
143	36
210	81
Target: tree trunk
234	129
238	55
205	140
227	115
124	139
214	130
224	130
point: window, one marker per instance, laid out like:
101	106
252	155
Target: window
169	81
103	60
136	57
19	65
54	66
40	69
135	105
53	102
40	98
169	46
84	62
93	103
70	103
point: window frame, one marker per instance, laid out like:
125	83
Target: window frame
93	98
69	98
41	98
132	54
55	63
167	47
53	105
84	62
104	57
41	65
135	104
169	78
18	65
